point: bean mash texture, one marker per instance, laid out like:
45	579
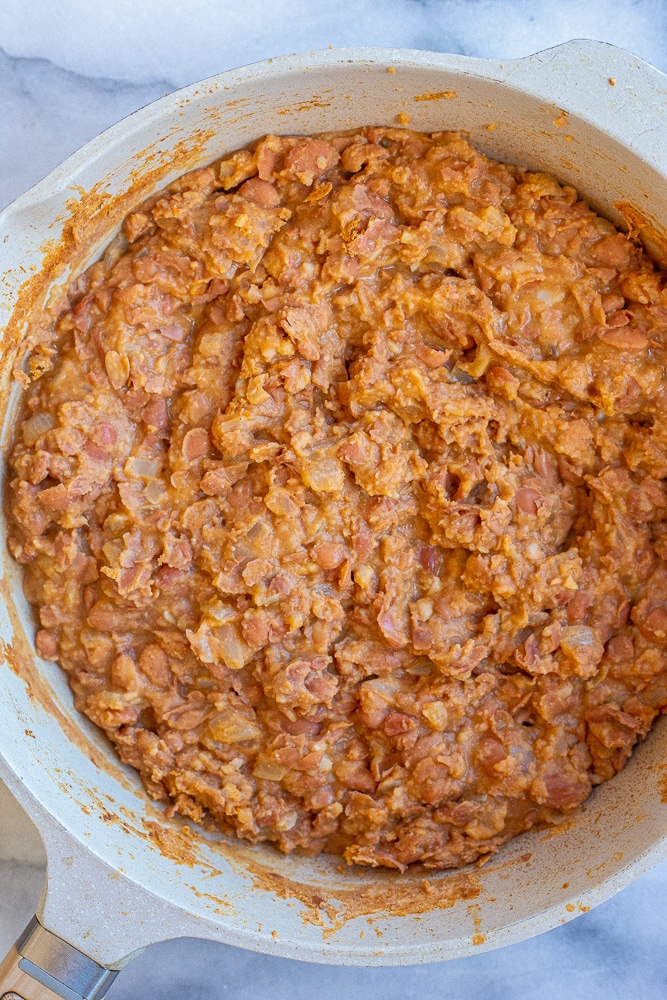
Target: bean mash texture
339	490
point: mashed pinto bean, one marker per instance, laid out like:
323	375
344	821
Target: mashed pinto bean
339	490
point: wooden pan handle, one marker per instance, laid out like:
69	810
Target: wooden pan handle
41	966
18	985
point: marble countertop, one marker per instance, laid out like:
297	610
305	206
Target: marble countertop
68	69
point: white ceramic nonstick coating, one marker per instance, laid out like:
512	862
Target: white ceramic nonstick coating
119	875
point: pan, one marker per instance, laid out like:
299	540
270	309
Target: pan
120	875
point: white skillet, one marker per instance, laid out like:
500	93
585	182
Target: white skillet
120	877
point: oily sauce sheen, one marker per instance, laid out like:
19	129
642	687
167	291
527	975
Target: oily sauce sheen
339	492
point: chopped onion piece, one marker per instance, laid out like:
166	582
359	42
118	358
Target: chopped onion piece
457	374
143	468
37	425
233	726
155	492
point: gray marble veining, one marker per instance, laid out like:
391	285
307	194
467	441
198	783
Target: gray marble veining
164	39
46	113
68	70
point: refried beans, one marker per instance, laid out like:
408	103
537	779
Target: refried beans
339	491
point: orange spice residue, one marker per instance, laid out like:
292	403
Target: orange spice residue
474	911
645	230
294	109
482	860
447	95
392	895
663	789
